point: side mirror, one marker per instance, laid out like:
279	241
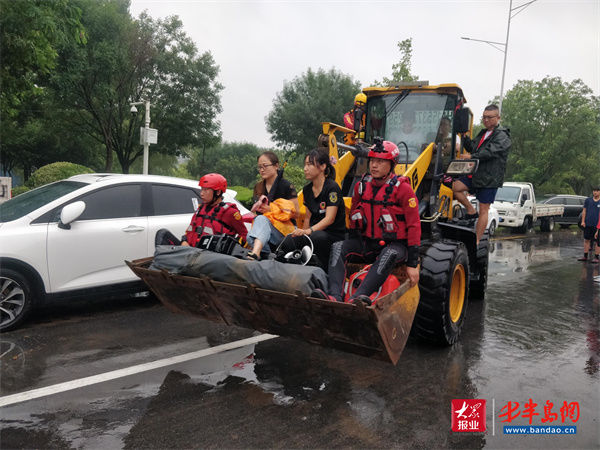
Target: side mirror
70	213
462	120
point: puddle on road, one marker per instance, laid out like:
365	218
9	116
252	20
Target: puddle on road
535	336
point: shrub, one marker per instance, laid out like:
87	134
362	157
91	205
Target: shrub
244	195
55	172
19	190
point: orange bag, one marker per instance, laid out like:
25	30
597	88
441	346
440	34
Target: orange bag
281	214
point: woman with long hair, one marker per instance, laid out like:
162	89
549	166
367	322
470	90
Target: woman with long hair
325	218
264	234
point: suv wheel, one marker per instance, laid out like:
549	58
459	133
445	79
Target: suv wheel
16	299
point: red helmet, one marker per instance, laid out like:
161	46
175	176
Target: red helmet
384	150
213	181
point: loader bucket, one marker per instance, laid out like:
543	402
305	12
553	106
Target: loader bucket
379	331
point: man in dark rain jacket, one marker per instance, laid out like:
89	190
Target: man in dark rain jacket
490	147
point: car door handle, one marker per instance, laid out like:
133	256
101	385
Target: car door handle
132	229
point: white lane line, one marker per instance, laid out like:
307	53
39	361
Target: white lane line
107	376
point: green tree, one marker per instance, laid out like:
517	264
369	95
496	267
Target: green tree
236	161
401	71
294	122
127	60
35	136
30	33
555	131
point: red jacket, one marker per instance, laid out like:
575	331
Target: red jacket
391	214
222	218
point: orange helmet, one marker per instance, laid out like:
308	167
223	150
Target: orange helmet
384	150
214	181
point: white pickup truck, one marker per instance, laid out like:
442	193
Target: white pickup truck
517	208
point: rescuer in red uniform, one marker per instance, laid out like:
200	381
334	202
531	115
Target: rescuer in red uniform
213	216
355	119
385	228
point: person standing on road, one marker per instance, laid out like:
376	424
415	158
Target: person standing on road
490	147
589	221
213	216
385	226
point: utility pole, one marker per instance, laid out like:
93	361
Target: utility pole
503	46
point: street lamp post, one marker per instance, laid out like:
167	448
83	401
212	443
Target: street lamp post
145	139
503	46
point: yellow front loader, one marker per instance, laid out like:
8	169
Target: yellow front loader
452	267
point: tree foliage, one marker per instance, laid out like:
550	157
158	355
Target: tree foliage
30	33
125	61
401	71
236	161
555	130
55	172
294	122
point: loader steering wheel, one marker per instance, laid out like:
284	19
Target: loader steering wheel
405	149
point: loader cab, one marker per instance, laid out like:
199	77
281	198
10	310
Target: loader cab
415	115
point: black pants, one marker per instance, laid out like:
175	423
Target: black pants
322	241
366	251
165	237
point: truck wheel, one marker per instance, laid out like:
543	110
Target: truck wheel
547	224
16	299
444	286
479	280
526	225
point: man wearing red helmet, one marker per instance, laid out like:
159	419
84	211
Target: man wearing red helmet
213	216
385	227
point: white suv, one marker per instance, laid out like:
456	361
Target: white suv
71	238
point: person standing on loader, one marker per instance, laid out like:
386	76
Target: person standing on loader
355	119
385	228
213	216
590	217
490	147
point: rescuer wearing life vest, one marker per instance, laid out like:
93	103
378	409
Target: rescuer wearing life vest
385	228
213	216
355	119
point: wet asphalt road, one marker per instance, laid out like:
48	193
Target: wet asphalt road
535	336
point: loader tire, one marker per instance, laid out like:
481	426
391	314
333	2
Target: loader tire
479	280
444	287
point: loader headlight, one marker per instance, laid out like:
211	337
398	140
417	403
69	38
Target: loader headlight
462	167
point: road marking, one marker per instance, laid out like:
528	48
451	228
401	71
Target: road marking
120	373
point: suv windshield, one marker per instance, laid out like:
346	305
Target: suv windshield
508	194
30	201
413	118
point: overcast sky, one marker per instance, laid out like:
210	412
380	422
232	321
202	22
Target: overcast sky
259	45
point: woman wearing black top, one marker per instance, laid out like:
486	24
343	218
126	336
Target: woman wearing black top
325	218
263	235
272	185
